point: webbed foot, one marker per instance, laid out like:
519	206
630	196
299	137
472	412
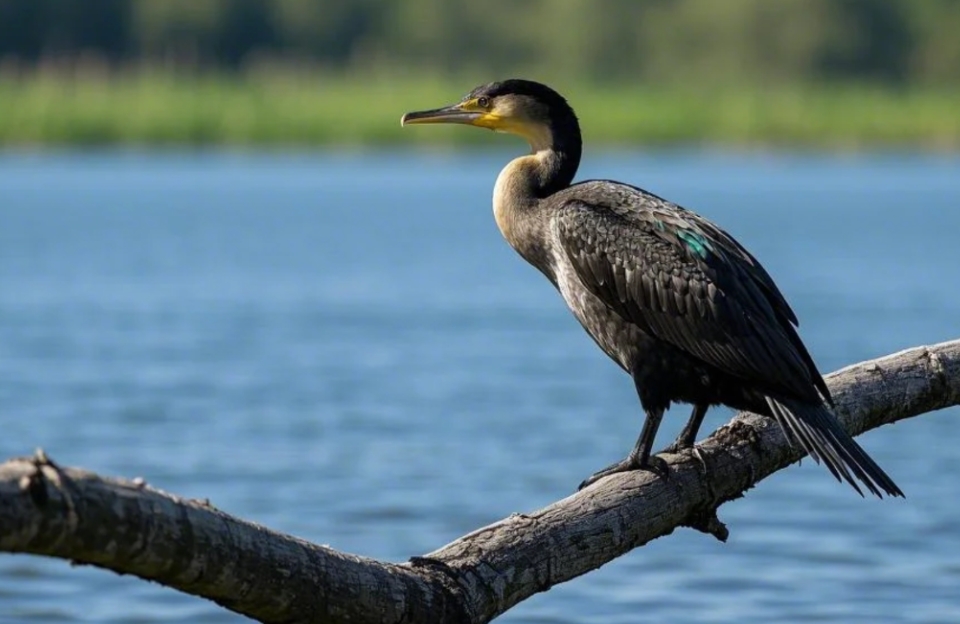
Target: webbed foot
676	447
654	464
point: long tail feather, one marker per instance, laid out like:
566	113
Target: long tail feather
818	432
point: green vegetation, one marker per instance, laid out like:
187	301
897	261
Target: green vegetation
319	109
892	42
838	73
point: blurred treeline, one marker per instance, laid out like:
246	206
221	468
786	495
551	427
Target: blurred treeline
895	43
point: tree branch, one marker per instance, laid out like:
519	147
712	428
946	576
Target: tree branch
129	527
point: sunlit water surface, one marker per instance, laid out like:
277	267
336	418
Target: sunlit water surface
343	347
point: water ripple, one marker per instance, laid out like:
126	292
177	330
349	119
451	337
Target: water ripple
368	365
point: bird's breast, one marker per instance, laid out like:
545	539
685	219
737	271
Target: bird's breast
522	227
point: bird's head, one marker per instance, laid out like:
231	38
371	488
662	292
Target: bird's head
522	107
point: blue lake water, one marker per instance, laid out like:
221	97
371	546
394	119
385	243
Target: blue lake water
342	347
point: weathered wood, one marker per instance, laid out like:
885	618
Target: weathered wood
129	527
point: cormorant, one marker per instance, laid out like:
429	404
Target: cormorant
673	299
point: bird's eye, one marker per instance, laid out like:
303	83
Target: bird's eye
483	102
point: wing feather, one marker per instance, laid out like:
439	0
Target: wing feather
687	282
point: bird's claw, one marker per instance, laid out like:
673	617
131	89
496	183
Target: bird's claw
674	448
677	447
655	464
658	466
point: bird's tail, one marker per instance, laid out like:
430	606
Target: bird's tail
822	436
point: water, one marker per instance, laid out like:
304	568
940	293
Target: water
342	347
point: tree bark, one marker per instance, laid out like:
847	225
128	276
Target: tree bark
131	528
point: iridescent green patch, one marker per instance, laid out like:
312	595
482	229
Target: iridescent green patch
697	243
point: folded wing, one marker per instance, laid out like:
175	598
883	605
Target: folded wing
685	281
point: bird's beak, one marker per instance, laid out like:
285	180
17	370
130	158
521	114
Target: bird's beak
448	114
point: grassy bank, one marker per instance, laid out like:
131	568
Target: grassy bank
149	108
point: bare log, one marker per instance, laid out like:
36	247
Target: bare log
131	528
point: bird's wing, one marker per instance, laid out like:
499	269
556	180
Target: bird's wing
685	281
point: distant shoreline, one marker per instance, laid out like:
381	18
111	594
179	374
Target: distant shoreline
157	109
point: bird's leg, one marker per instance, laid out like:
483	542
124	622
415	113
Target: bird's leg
639	457
689	433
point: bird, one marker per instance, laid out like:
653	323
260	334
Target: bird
669	296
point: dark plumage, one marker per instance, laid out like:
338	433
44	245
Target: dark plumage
669	296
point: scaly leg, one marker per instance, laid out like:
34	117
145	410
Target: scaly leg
639	457
689	434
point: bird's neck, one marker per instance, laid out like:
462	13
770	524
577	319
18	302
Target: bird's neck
519	193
